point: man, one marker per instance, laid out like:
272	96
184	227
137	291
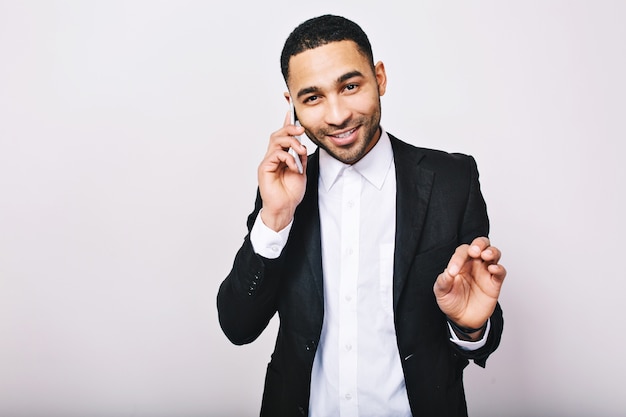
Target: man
376	257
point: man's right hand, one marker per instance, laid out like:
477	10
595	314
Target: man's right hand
281	185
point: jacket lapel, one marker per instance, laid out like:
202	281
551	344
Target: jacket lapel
312	234
413	187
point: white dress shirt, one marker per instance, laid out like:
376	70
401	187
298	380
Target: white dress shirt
357	370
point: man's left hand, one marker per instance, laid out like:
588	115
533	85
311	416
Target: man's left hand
468	289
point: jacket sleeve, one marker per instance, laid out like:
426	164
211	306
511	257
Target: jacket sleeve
246	300
476	223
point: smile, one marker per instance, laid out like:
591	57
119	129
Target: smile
345	134
344	138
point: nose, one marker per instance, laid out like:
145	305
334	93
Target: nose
337	113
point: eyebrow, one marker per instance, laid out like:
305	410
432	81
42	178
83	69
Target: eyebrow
341	79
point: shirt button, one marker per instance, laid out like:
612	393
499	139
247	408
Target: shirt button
274	248
348	396
348	298
348	348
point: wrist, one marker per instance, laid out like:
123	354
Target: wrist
467	333
276	220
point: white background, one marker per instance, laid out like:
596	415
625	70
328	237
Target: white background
130	133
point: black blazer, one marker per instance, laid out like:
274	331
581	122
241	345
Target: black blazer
438	207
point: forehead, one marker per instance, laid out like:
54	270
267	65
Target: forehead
322	66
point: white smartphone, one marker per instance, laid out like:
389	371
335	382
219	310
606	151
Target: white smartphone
294	121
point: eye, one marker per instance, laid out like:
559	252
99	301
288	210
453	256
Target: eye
351	87
311	99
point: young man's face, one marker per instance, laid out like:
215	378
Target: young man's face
337	98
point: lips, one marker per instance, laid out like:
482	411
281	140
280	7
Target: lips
344	138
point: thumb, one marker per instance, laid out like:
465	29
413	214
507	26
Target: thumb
443	284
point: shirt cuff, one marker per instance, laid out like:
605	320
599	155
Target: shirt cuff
467	345
266	242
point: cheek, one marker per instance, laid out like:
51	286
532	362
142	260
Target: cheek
311	119
366	105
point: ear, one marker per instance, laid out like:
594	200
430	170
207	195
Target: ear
381	77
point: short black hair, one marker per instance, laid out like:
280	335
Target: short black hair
319	31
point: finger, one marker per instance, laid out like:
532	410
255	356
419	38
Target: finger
284	139
290	160
458	259
491	254
443	283
478	245
497	271
287	120
276	160
304	158
300	150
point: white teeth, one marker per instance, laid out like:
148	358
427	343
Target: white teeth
344	135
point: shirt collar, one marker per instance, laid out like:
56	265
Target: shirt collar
373	167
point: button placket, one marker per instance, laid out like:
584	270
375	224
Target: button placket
349	273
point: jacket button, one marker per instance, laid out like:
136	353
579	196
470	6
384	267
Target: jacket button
310	345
